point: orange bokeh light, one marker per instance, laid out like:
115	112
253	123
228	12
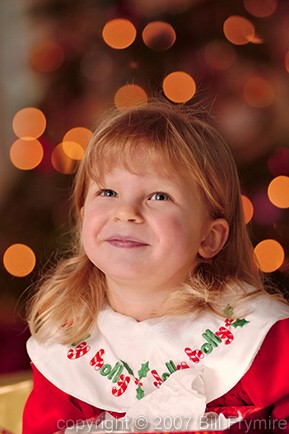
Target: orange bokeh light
29	123
26	154
179	87
248	209
73	150
130	95
159	36
78	135
257	39
270	255
75	142
260	8
278	191
61	161
258	92
19	260
119	33
238	30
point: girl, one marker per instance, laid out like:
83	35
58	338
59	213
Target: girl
159	320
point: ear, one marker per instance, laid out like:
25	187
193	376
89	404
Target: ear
215	239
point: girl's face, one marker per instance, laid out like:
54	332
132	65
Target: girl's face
143	229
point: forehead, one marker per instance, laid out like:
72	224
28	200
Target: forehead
138	161
140	174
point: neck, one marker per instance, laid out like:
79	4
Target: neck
137	302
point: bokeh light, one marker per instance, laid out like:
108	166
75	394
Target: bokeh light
75	142
159	36
80	135
219	55
73	150
19	260
278	191
270	255
130	95
238	30
29	123
278	162
119	33
26	154
61	161
248	209
258	92
257	39
179	87
46	56
260	8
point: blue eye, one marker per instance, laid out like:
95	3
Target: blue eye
160	196
108	193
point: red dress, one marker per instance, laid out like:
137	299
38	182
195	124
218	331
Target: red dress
262	395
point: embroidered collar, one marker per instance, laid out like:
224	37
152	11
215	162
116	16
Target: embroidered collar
122	361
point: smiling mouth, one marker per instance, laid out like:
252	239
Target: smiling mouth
125	242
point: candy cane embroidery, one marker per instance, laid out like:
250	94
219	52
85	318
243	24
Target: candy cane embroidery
79	351
123	382
97	361
158	379
194	355
115	374
81	348
171	369
223	334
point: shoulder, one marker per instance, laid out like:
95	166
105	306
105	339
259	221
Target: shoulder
274	347
267	380
262	305
48	407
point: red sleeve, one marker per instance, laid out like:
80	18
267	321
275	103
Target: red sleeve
267	381
48	408
264	386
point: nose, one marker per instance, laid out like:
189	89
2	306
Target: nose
128	213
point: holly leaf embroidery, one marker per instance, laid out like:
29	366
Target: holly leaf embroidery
139	393
143	370
228	311
240	323
74	344
129	370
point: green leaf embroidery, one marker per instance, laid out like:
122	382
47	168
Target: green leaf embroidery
143	370
240	323
74	344
129	370
139	393
228	311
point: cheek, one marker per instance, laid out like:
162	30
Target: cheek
181	234
171	230
83	235
88	229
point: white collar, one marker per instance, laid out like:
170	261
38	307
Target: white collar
123	360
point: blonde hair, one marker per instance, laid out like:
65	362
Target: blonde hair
183	142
